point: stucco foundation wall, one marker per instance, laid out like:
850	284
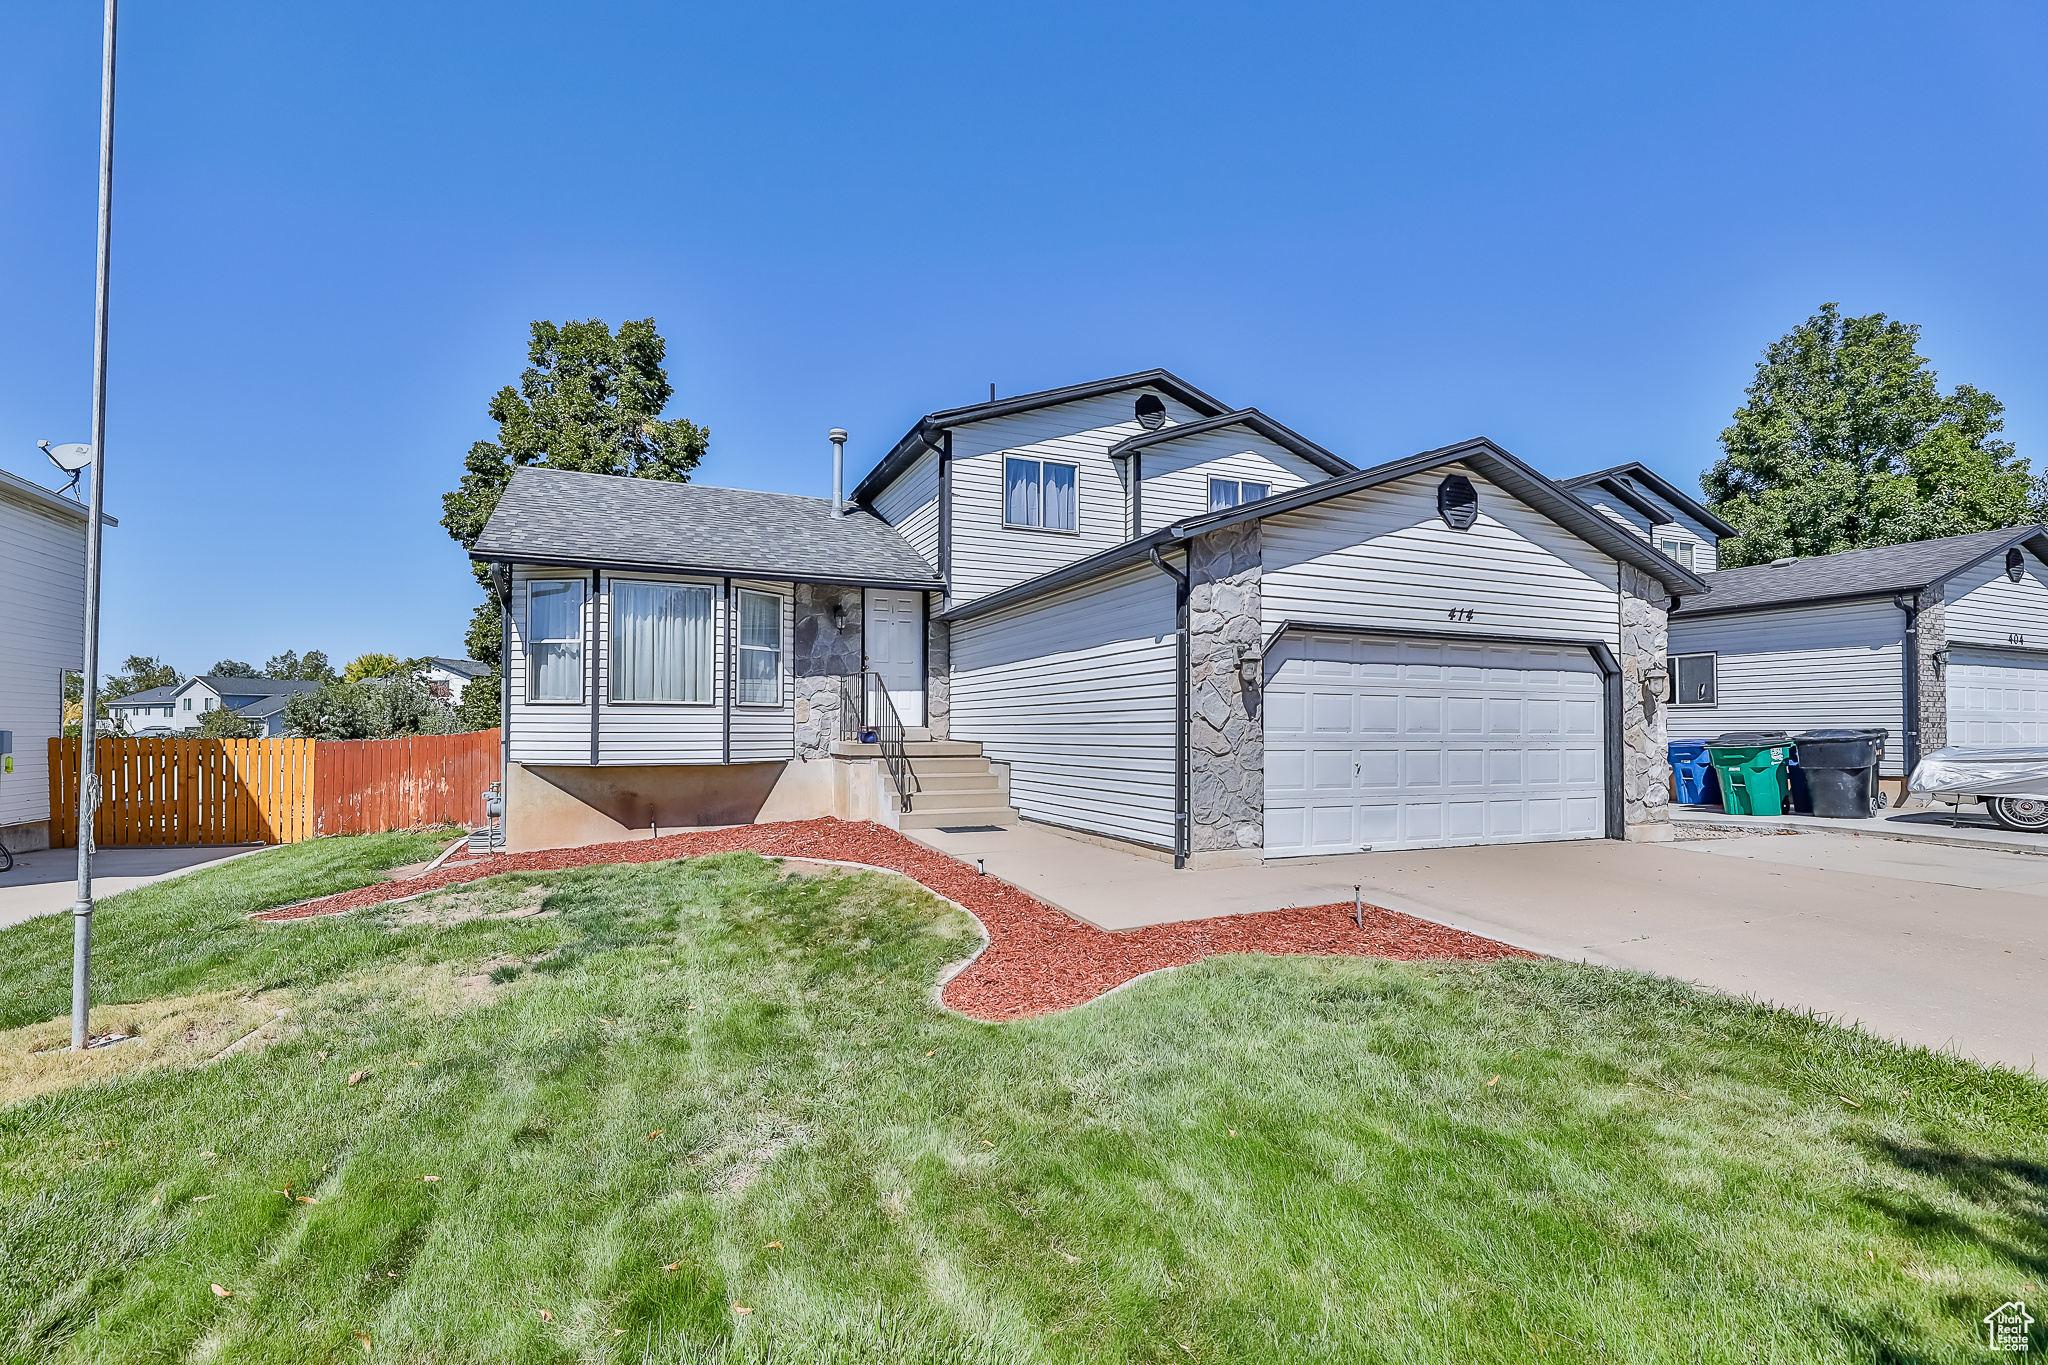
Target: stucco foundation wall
565	806
1646	756
1227	764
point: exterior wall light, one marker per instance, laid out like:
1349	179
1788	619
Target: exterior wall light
1250	666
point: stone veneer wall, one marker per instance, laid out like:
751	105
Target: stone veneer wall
1646	759
938	671
1227	767
824	655
1933	677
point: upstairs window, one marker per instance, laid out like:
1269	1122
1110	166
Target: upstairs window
1692	680
1680	550
1225	493
554	639
1039	494
760	681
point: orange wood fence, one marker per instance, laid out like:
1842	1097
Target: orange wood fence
276	791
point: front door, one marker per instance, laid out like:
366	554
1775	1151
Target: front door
894	637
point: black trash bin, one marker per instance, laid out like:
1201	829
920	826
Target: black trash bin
1841	771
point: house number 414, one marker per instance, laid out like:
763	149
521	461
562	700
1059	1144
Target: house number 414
1462	613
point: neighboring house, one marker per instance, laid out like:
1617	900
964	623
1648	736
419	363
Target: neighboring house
1163	621
446	678
1657	510
176	710
1940	642
42	623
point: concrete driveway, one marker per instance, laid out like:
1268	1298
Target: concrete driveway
1930	944
46	881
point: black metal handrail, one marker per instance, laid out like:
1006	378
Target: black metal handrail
864	704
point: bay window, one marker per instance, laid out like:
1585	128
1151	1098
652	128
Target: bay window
554	639
662	642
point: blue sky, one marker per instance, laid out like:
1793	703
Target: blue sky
1569	227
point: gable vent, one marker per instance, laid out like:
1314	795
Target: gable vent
2015	564
1457	502
1151	411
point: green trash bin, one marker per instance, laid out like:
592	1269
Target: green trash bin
1752	767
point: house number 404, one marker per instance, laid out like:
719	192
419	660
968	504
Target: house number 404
1462	613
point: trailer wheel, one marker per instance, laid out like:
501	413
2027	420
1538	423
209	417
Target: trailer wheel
2026	814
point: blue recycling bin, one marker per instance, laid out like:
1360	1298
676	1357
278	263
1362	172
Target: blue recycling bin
1694	771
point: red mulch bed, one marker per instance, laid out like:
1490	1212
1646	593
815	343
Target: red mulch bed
1038	960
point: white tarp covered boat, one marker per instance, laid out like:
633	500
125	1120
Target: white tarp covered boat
2012	782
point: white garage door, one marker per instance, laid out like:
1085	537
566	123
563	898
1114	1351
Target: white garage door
1996	697
1384	743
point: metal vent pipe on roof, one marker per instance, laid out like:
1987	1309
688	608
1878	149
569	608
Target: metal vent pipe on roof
838	438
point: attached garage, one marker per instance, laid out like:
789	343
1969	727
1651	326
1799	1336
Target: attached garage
1997	696
1377	742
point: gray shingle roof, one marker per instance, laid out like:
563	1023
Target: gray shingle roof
269	706
468	668
227	687
555	516
1857	573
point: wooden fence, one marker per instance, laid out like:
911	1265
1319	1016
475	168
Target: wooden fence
174	791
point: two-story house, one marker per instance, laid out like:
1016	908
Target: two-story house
1124	608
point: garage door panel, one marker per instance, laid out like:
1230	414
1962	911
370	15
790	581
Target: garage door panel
1997	697
1428	745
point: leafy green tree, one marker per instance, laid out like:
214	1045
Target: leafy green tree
333	710
139	673
590	399
221	723
478	709
233	668
1847	441
376	706
311	668
371	666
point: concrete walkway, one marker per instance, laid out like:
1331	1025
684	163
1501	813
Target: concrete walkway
1956	826
46	881
1931	945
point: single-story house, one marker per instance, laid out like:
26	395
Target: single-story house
176	710
42	620
446	678
1939	642
1124	608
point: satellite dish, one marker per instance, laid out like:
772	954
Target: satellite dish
70	459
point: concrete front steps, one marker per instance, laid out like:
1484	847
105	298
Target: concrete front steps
955	784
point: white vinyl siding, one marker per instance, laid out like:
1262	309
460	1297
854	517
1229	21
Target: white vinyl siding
1706	557
1984	607
989	556
1177	473
1378	743
1075	692
1799	668
543	732
911	505
766	733
1383	557
42	564
657	732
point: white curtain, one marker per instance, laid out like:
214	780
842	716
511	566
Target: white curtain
760	682
661	642
1020	499
1059	498
554	634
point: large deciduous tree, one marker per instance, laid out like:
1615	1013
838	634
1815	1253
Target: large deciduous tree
1847	441
590	399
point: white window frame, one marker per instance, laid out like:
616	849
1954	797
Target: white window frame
1073	469
188	703
1671	661
529	643
611	644
1238	485
741	648
1678	550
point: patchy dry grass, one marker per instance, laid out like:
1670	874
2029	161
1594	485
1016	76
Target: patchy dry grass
706	1112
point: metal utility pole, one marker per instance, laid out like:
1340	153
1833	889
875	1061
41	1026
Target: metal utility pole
88	736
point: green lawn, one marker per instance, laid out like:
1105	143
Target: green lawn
654	1095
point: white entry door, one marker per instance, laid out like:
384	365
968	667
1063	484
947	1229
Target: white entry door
1996	697
894	635
1379	743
